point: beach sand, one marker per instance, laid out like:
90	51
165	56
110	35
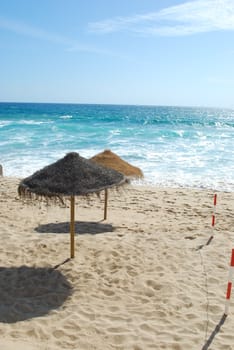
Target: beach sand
145	278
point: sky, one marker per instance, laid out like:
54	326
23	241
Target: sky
140	52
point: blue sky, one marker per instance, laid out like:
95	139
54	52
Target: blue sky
150	52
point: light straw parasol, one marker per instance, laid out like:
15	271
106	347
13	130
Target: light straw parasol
111	160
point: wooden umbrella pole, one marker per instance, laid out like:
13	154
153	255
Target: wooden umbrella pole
105	208
72	227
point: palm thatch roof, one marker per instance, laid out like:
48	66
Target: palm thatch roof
72	175
111	160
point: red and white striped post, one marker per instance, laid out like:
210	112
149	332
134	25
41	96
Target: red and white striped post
213	220
229	285
213	215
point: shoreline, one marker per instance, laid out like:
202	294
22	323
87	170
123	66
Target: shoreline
141	184
138	279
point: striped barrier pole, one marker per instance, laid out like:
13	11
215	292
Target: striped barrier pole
213	220
229	285
213	215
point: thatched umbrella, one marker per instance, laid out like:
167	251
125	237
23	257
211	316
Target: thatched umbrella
111	160
70	176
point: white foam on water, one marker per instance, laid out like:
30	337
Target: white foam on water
34	122
65	117
4	123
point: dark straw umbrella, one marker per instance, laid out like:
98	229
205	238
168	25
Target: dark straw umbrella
111	160
70	176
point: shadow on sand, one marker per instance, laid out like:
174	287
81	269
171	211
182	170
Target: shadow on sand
215	332
206	244
81	227
27	292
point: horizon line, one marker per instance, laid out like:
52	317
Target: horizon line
117	104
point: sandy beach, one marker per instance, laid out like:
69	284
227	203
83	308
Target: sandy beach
145	278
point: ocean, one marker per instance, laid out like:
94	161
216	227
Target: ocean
173	146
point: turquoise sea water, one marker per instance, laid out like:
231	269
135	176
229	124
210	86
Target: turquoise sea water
174	146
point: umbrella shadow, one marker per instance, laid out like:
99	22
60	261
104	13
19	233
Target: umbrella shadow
81	227
28	292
